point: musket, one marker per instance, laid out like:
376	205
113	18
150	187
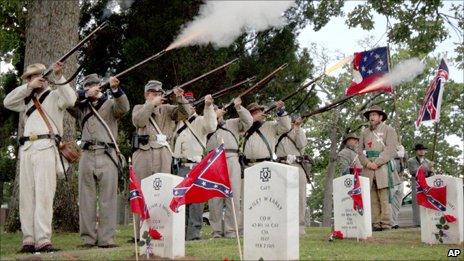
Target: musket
224	91
168	93
106	84
328	107
304	86
63	58
262	82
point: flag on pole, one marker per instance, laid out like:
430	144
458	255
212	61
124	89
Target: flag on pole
429	197
356	193
137	203
430	109
208	179
368	67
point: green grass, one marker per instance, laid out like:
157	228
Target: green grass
398	244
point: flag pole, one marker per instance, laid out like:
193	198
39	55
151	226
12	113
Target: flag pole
435	141
236	229
135	238
235	217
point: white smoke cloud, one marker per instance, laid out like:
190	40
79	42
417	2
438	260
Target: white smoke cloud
405	71
221	22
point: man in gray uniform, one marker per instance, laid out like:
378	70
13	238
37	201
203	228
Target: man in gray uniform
261	137
289	150
348	156
413	165
156	125
189	149
228	132
99	165
40	160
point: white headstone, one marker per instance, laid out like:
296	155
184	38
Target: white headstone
157	190
431	225
346	219
271	212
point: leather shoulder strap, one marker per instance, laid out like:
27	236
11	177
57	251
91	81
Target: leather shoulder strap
38	106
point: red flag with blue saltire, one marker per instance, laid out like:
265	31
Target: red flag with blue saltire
429	197
137	203
208	179
356	192
368	67
430	109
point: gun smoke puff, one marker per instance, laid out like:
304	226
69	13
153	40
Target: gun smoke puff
221	22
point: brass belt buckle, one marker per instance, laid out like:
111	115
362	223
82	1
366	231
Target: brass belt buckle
33	137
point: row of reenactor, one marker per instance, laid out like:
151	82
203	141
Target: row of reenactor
171	137
382	159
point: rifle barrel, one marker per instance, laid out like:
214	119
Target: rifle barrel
328	107
223	91
263	81
153	57
82	42
206	74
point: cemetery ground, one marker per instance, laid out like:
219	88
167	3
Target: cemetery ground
397	244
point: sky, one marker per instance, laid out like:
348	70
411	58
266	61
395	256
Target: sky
337	37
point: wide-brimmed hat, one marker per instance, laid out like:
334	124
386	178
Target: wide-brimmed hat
350	136
36	68
420	146
377	109
254	106
91	79
154	85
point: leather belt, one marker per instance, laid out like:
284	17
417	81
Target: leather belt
34	137
298	159
89	145
231	151
248	161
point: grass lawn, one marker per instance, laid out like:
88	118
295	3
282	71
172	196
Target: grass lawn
388	245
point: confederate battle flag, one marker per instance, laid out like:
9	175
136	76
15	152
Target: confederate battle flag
208	179
368	67
429	197
430	109
137	203
356	193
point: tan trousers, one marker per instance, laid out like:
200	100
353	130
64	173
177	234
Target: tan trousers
380	207
37	185
98	185
147	163
216	205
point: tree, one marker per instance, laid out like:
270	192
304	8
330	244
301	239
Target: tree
51	30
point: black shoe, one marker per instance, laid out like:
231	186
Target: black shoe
108	246
132	240
47	249
377	229
193	238
86	245
396	227
27	249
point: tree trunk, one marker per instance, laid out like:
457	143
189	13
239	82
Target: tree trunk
51	30
328	184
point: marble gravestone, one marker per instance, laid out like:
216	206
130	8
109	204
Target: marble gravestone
271	229
157	190
434	228
346	219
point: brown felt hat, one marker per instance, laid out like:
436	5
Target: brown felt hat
254	106
350	136
36	68
375	108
